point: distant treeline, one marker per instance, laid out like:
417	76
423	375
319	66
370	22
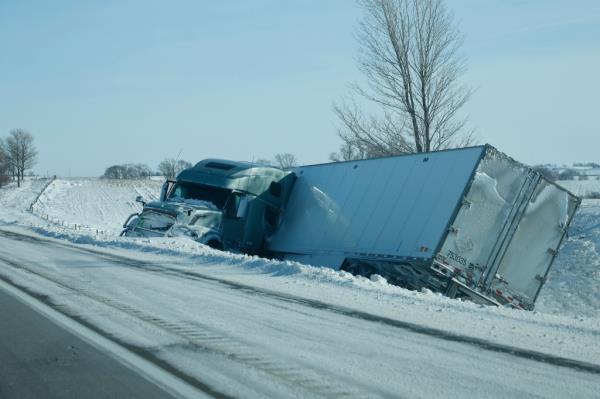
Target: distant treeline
168	168
587	164
565	174
128	171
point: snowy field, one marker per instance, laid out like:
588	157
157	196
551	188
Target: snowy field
94	204
582	188
566	322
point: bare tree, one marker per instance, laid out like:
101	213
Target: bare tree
349	152
170	167
4	163
410	56
22	154
137	171
286	160
114	172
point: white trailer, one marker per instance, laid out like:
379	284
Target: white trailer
469	222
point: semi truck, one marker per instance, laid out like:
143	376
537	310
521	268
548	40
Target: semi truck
233	206
470	223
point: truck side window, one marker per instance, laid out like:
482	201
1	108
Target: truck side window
178	192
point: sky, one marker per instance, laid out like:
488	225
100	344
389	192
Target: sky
103	82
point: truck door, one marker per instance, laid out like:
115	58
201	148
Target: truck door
234	222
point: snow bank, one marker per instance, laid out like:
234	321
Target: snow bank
573	286
15	201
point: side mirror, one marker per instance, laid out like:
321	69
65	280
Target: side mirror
242	208
237	206
140	199
166	187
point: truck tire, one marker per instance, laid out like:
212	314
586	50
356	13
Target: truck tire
215	244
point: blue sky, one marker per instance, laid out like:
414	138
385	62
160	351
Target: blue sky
105	82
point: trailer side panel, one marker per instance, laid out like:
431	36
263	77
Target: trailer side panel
389	207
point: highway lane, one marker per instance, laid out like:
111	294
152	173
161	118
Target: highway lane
40	359
251	345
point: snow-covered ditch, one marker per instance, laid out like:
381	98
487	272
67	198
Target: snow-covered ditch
91	212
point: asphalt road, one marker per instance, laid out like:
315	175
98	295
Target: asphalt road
39	359
231	340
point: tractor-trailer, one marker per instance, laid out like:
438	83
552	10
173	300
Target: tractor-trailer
470	222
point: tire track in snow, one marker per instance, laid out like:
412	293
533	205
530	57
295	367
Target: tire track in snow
200	338
532	355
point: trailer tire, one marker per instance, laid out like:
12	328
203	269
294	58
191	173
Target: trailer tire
358	268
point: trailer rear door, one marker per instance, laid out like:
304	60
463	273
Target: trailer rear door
524	267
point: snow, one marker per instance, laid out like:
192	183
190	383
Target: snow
574	282
194	202
581	188
14	202
90	212
80	202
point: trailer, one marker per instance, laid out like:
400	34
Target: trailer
470	223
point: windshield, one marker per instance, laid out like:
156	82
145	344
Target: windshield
193	191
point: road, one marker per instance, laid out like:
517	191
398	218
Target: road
231	340
42	359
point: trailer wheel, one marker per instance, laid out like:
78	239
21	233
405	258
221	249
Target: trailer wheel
358	268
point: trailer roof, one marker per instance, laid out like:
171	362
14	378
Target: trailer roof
414	154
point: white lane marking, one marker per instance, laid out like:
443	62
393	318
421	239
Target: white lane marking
154	374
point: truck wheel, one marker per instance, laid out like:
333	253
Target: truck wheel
215	244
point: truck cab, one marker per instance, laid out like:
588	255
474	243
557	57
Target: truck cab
227	205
